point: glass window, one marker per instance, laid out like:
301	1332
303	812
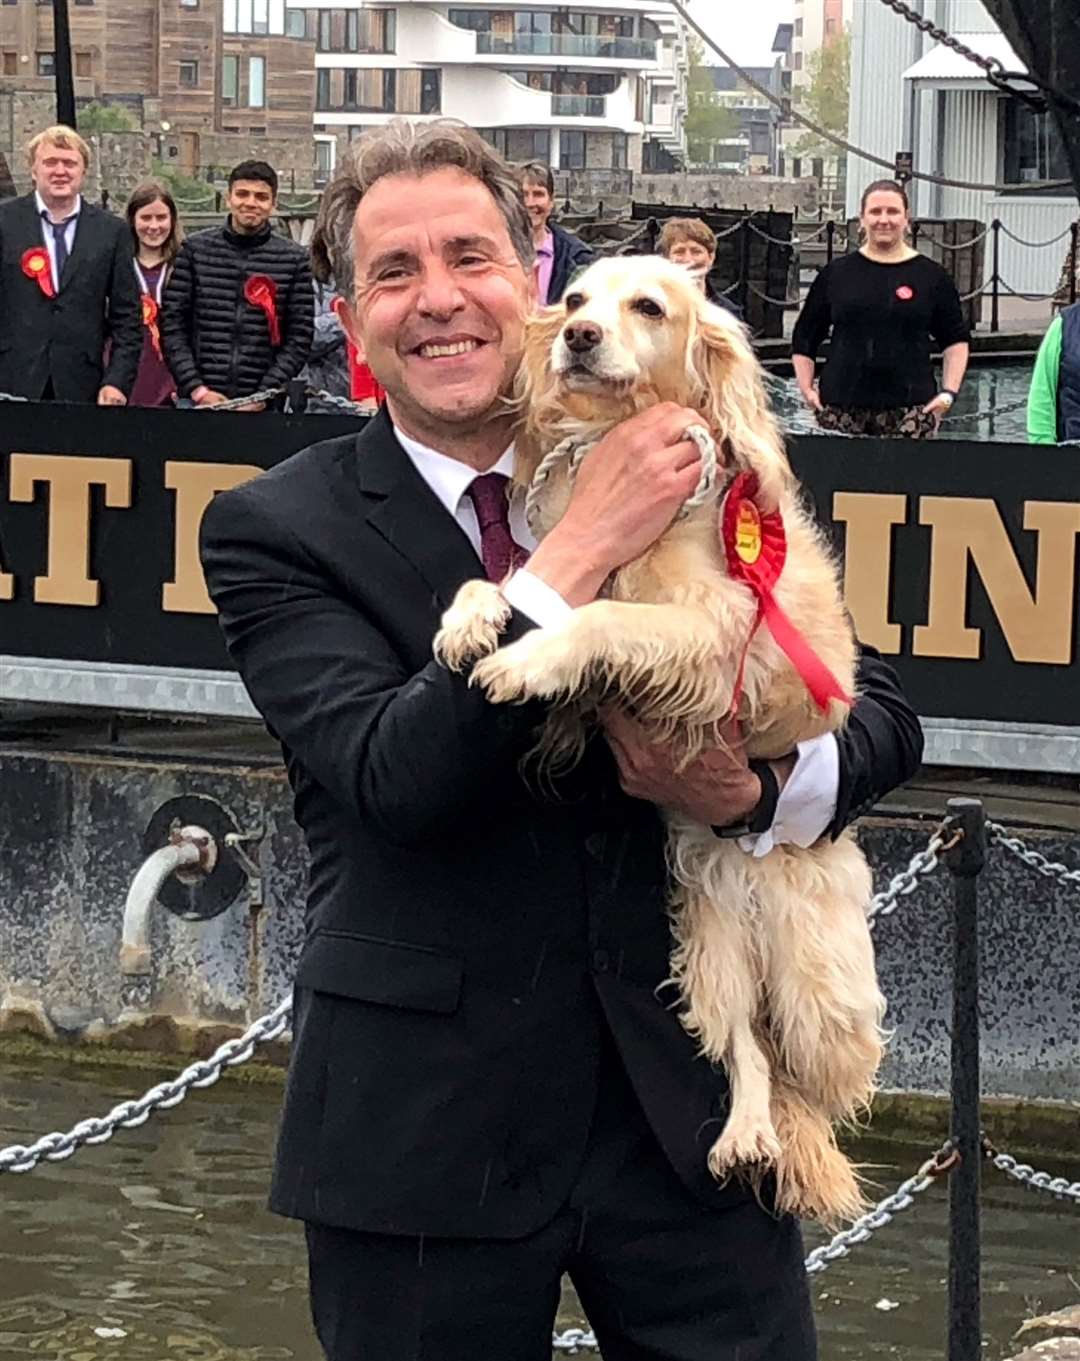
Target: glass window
352	30
45	64
1033	147
572	150
228	16
189	74
256	82
324	162
295	27
260	16
230	79
350	90
322	89
431	92
277	16
325	21
619	151
243	16
184	4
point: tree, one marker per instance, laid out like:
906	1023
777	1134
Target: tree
1044	34
95	117
828	96
708	121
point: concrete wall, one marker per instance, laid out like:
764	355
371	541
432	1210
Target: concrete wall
758	192
71	829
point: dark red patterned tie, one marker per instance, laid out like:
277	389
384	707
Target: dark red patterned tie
497	547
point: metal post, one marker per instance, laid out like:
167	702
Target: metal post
965	862
744	268
65	82
1074	259
995	292
830	240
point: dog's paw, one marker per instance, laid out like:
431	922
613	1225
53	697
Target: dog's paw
744	1143
472	625
537	666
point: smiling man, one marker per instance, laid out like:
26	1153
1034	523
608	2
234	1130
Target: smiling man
66	285
487	1089
238	313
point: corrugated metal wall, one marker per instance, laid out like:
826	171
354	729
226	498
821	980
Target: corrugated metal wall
967	16
970	149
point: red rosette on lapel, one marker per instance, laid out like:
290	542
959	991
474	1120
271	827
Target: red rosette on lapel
150	320
755	546
36	265
261	291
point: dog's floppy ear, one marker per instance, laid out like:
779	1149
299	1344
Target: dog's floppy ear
733	398
535	388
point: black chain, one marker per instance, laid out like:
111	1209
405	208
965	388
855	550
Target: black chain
993	67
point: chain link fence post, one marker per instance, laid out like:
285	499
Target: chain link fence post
965	861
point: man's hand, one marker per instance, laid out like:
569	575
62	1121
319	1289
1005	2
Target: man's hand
627	492
204	396
250	406
110	396
716	788
938	407
812	398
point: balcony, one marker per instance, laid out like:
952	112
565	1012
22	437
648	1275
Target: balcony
578	106
566	45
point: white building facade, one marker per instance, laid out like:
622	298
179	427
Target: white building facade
599	88
911	94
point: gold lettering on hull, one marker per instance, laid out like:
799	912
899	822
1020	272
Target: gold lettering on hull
67	580
195	485
1037	628
868	563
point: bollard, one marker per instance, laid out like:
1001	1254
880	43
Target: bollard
1074	259
830	240
965	862
995	296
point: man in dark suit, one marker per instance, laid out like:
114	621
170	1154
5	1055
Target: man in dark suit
487	1090
66	285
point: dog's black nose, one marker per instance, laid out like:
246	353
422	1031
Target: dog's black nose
581	336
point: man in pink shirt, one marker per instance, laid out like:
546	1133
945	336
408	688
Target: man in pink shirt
559	254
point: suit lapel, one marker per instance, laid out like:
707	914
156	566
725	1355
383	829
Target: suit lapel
85	231
408	514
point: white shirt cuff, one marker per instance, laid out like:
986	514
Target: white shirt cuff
807	803
536	599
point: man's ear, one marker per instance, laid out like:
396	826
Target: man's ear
347	316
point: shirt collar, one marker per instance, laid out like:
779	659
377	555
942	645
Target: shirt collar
547	246
448	477
41	208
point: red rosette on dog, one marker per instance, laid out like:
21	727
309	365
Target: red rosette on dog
37	266
261	291
150	319
755	546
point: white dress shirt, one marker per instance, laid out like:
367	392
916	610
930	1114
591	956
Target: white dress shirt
807	803
50	240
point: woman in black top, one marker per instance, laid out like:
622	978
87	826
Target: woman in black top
883	305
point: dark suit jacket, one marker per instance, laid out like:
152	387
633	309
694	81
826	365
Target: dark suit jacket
468	940
63	338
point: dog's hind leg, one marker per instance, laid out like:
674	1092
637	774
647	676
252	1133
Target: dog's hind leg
814	1179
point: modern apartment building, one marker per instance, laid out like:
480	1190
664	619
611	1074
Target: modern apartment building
752	149
599	87
212	81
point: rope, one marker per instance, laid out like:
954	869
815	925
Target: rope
790	111
576	451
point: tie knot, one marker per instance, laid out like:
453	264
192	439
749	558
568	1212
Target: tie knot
489	499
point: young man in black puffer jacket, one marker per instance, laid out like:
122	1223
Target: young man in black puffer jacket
237	314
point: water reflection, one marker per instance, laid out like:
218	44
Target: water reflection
157	1246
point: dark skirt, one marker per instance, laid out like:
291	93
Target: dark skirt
903	422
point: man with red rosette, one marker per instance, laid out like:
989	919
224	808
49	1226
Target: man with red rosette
66	285
238	312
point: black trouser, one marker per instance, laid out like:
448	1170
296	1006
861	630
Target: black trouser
661	1277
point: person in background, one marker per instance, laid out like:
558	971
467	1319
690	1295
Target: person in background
559	253
689	242
883	305
156	235
238	312
66	285
1053	412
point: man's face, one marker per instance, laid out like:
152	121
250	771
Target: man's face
57	172
692	255
250	204
539	203
440	300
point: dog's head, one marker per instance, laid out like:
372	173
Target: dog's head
636	330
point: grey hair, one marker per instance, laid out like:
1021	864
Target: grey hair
404	148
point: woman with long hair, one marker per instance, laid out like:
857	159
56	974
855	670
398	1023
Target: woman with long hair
155	236
884	305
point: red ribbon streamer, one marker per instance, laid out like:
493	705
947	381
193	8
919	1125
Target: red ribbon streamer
149	318
36	265
755	545
261	291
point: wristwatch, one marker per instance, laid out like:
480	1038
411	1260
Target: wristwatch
948	392
760	818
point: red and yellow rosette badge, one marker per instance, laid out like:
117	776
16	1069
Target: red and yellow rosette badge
261	291
37	266
755	546
150	312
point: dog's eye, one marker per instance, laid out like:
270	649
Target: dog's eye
647	307
573	301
